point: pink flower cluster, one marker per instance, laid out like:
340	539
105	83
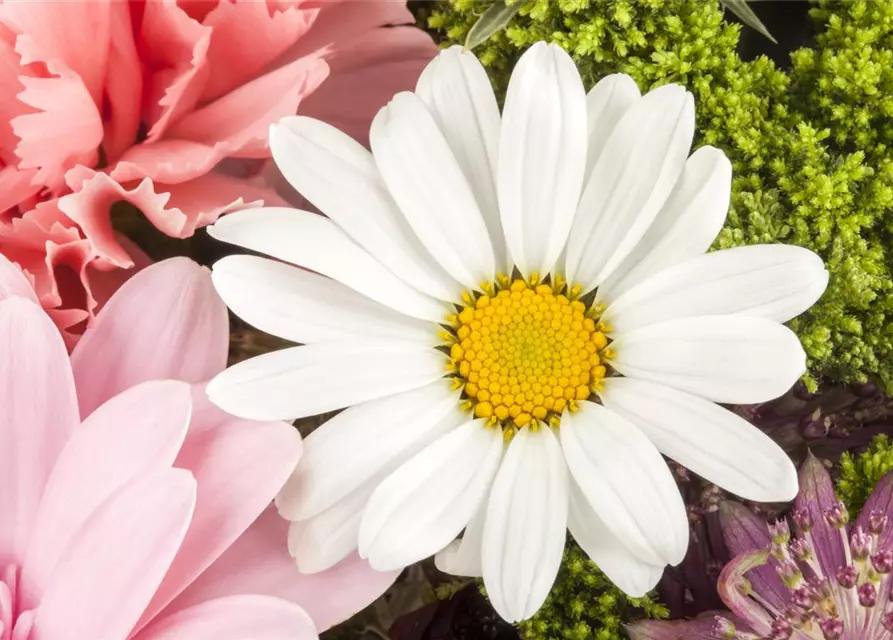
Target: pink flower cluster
160	104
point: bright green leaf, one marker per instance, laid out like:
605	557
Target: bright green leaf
741	9
494	19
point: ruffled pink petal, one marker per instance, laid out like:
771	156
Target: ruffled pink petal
10	107
247	37
16	187
240	120
65	34
123	83
166	322
136	432
175	47
117	559
39	413
239	466
366	74
258	562
235	618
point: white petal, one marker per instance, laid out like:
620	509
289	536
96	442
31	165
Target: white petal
542	156
456	89
327	538
339	176
626	482
309	380
711	441
316	243
462	557
772	281
730	359
632	575
606	102
427	183
630	183
302	306
360	443
425	503
685	226
525	529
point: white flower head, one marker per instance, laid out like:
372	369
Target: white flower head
517	314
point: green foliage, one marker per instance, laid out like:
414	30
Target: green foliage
860	473
585	605
810	146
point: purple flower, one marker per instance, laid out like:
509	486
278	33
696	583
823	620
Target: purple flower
828	579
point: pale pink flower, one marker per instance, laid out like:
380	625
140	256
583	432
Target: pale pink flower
146	102
132	508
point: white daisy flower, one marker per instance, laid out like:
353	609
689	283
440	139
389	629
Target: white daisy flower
518	317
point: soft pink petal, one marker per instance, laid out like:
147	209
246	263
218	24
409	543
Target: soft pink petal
241	119
117	559
123	83
165	322
175	47
247	37
38	412
366	74
10	107
172	161
13	282
258	562
136	432
239	466
234	618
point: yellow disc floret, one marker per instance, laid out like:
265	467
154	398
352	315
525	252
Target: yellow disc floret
523	352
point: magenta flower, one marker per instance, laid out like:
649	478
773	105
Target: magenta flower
830	580
132	508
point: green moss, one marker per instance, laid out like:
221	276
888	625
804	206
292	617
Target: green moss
860	473
810	146
584	605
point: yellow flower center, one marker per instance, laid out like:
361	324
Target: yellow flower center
523	351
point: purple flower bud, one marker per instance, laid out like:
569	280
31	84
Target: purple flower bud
723	628
801	549
802	596
847	576
837	516
860	544
789	573
867	594
887	621
832	628
802	520
821	590
877	522
781	629
882	561
780	532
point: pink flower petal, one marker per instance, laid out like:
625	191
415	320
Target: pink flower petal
175	47
366	75
234	618
38	412
165	322
13	282
136	432
239	467
16	186
816	497
123	83
117	559
236	53
240	120
10	107
258	562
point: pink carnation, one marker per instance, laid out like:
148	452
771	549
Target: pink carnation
132	508
148	102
